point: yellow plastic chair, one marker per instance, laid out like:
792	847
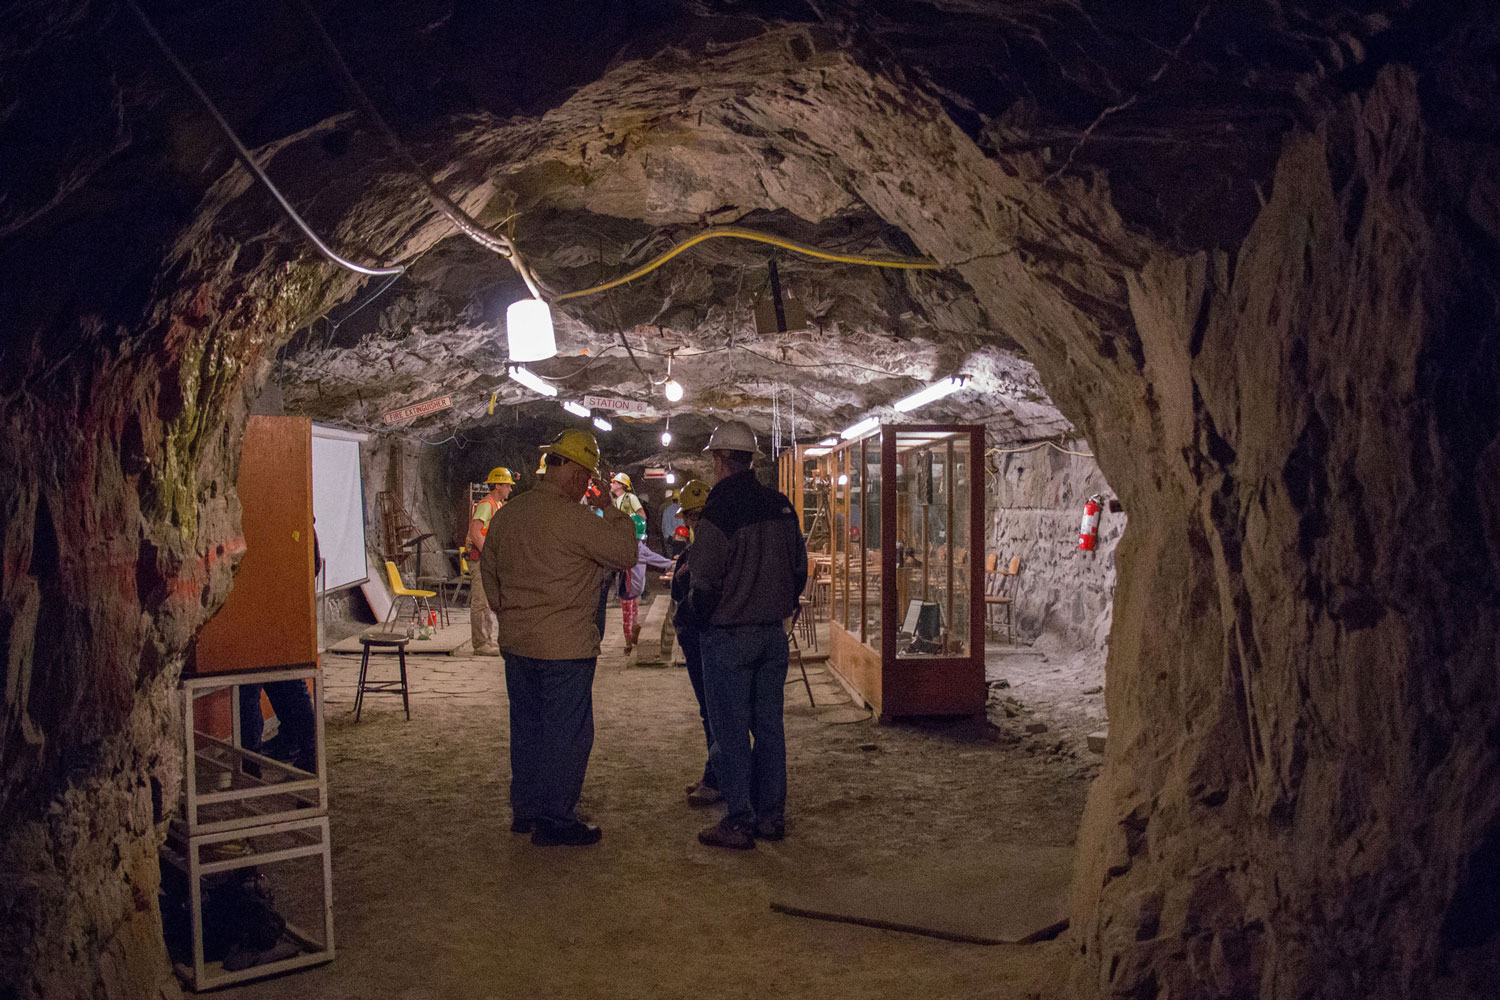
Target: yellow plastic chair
399	590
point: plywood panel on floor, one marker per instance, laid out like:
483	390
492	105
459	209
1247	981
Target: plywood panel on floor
1002	895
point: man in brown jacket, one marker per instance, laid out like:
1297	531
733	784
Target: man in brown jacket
545	559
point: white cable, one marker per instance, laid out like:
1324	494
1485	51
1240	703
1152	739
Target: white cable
245	156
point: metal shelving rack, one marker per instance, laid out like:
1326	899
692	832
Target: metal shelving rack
260	812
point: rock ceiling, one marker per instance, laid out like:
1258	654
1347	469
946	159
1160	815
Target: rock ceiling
680	116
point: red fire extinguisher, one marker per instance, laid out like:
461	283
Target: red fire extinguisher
1088	530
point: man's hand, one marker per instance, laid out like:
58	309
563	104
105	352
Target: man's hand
599	498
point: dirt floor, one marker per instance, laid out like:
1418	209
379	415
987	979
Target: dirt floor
436	898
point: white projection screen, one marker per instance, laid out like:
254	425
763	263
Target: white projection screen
339	505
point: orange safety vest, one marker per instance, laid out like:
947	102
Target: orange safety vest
495	506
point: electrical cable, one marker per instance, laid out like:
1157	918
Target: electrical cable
1041	444
620	330
739	232
501	245
246	158
825	364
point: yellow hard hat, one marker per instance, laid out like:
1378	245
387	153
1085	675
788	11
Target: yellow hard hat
622	479
576	446
693	496
500	475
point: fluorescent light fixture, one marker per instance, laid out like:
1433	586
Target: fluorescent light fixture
816	452
671	478
666	439
863	427
936	390
828	442
673	389
528	331
603	425
576	408
531	381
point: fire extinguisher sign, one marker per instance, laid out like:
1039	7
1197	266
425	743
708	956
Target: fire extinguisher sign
1088	530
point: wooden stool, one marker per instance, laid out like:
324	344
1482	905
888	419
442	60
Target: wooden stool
381	639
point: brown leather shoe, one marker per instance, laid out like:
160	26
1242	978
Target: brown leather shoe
704	795
733	837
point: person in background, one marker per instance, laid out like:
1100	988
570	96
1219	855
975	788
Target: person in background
544	564
296	739
748	568
633	584
704	791
619	488
481	624
670	522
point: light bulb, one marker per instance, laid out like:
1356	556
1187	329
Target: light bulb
528	331
843	480
671	478
673	389
666	439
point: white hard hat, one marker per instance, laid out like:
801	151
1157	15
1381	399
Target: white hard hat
732	435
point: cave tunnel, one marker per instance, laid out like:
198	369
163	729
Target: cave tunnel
1230	268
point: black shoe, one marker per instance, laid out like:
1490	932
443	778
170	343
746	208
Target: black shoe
519	825
767	830
574	834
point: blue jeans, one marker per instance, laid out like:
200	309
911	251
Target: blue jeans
297	739
744	676
692	651
551	734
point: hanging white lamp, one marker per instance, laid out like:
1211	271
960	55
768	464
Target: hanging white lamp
528	331
576	408
673	389
603	425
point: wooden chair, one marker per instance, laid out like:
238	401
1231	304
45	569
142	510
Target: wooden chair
805	619
1000	589
795	651
419	598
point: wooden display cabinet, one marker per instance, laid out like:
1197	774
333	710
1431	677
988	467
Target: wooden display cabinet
906	610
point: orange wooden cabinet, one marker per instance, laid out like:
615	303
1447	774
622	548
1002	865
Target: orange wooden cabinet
269	619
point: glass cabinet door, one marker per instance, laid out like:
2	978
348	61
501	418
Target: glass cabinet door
932	531
870	481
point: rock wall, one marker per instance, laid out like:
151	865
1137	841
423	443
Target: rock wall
1298	796
1034	498
419	477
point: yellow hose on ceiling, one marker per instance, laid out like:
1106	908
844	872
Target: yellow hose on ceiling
736	232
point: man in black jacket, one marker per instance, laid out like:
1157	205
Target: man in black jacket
749	565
